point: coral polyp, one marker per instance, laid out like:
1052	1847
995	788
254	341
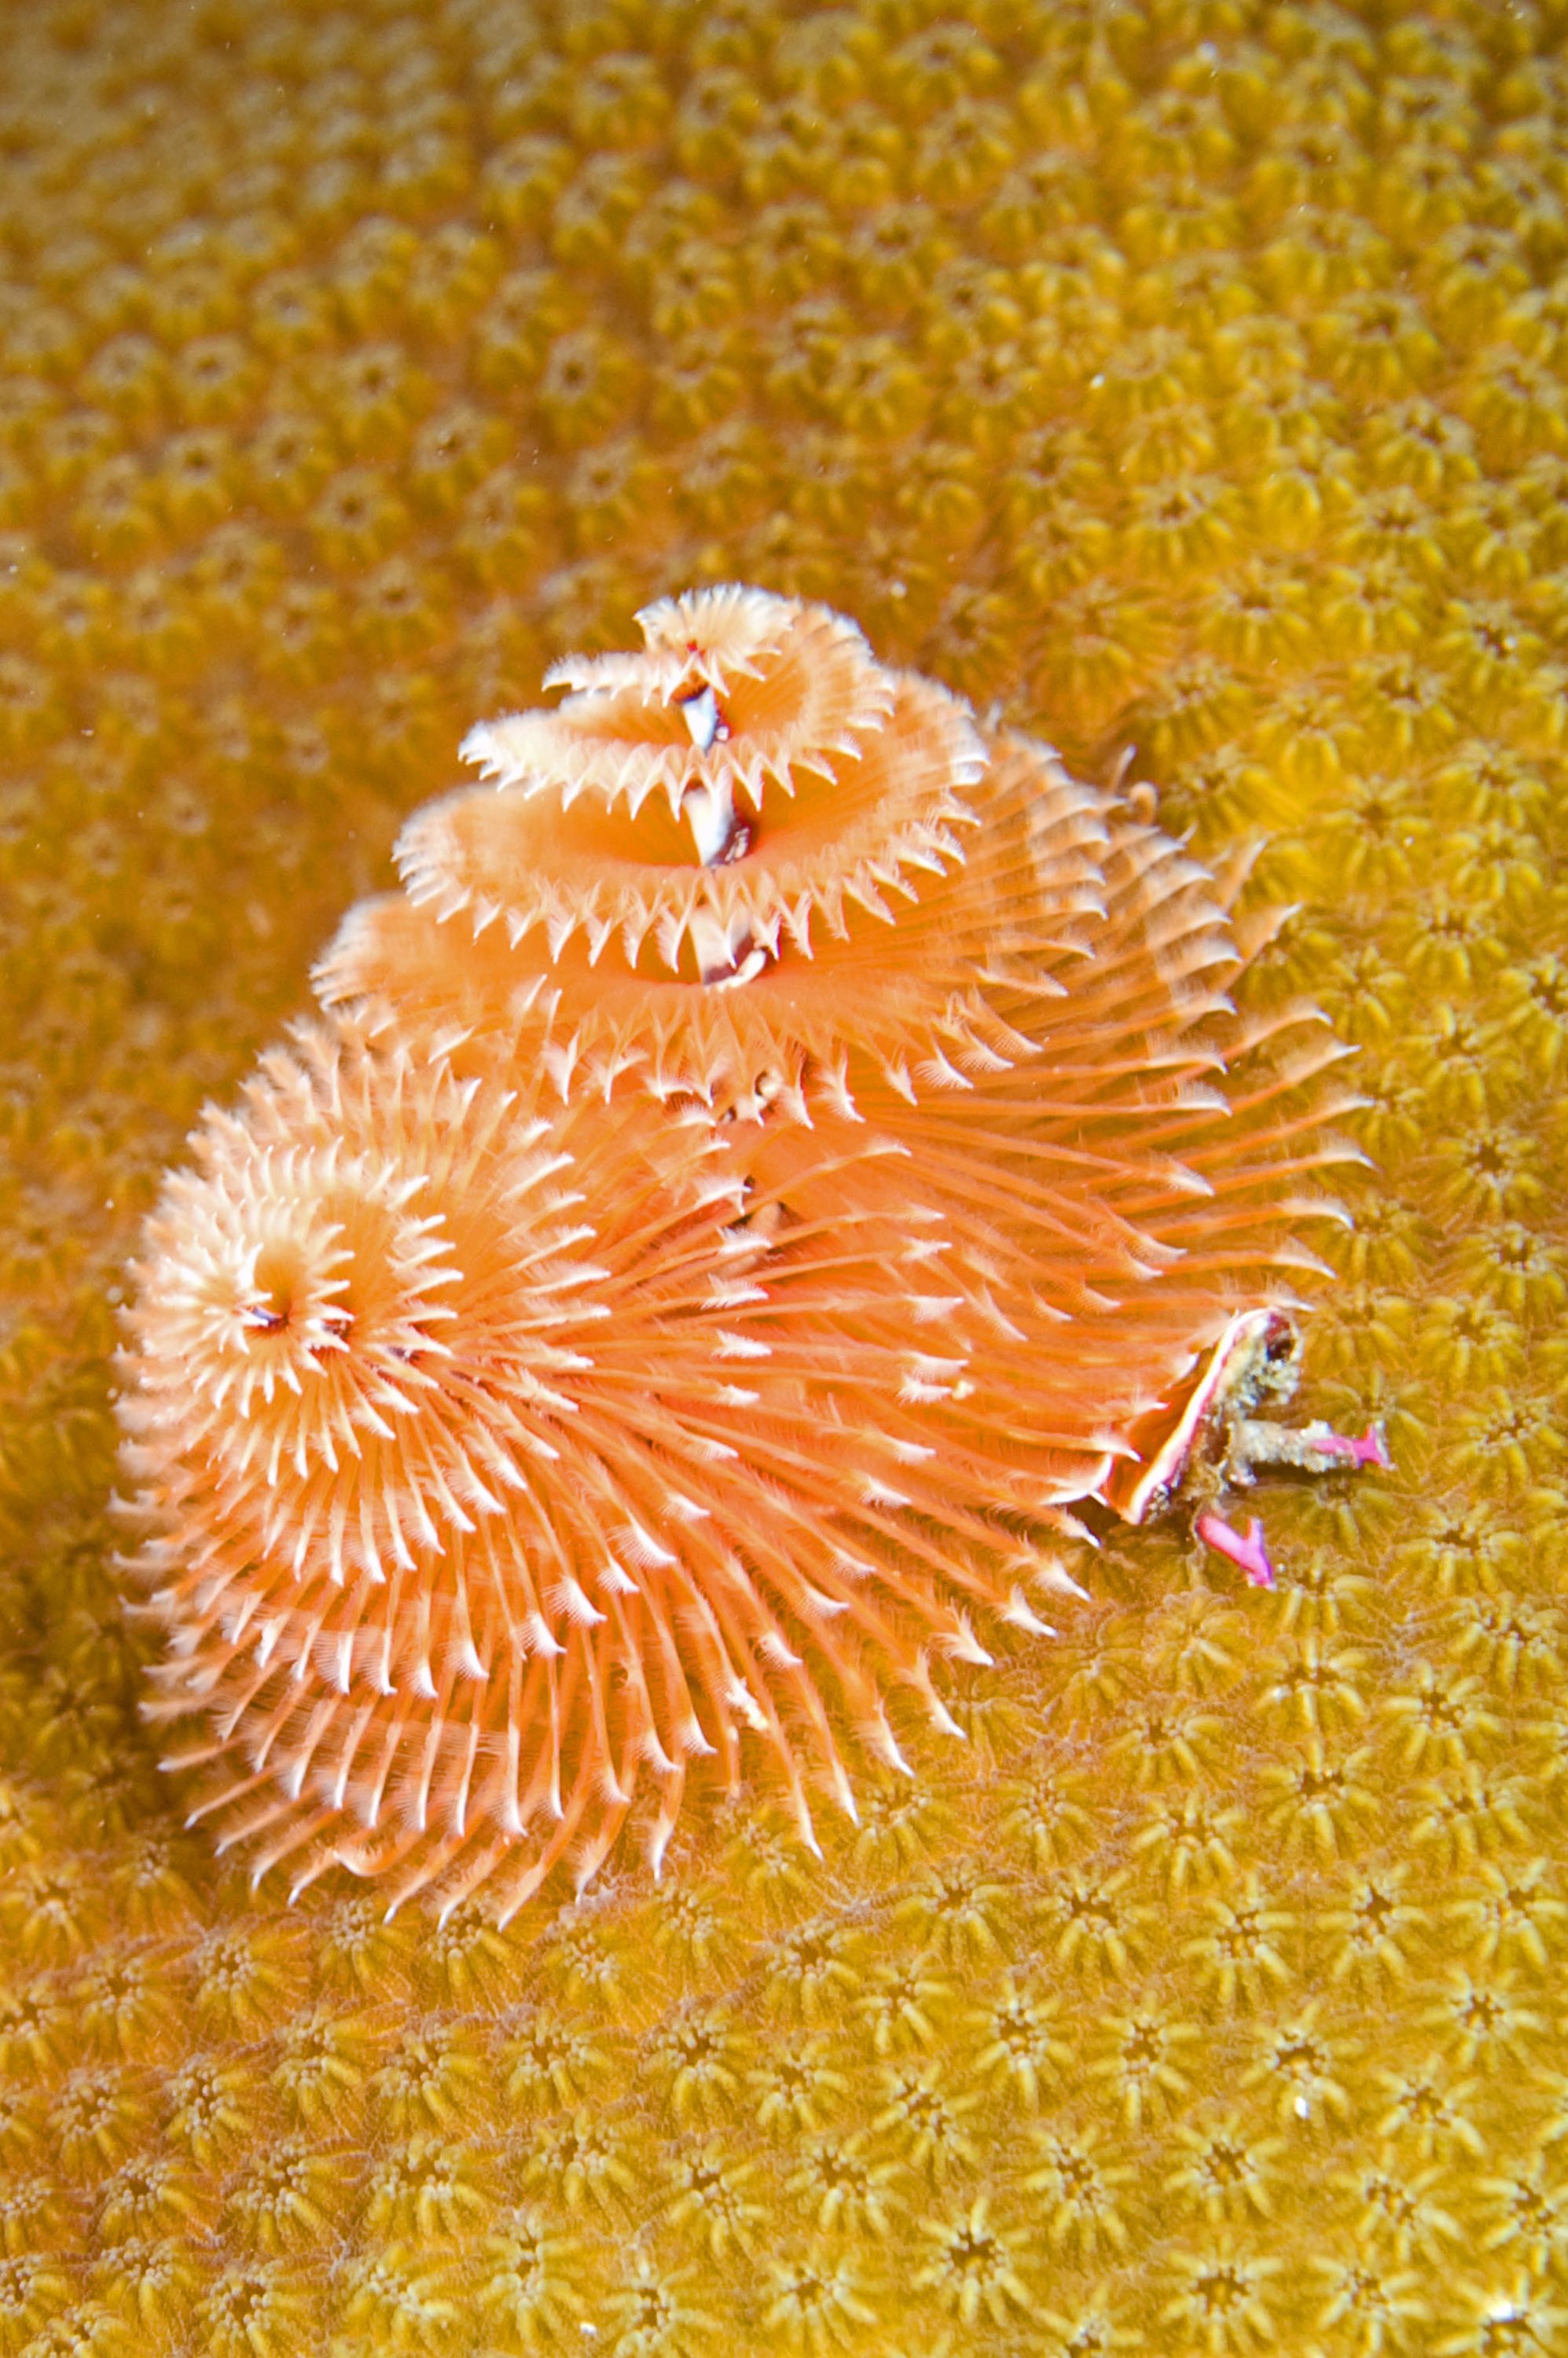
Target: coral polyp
561	1369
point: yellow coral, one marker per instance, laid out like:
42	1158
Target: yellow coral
1185	376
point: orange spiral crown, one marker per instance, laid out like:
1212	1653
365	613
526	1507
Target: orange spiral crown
784	1151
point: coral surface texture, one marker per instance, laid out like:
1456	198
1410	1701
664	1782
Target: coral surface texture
1182	383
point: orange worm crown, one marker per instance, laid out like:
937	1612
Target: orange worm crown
999	969
782	1153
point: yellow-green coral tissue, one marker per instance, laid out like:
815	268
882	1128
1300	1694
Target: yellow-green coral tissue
1182	383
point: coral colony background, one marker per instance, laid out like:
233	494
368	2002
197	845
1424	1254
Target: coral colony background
1181	377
